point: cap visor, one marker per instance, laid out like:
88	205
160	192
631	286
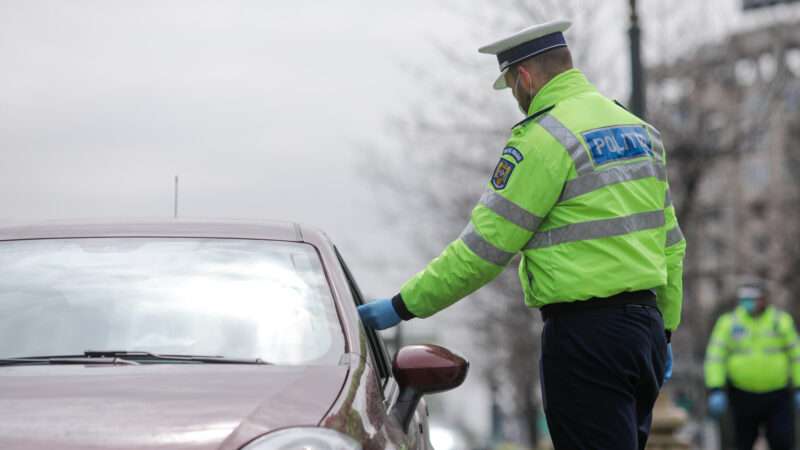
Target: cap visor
500	82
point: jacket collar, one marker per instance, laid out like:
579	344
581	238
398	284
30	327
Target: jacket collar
746	318
562	86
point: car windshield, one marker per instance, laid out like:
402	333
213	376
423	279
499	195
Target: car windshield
234	298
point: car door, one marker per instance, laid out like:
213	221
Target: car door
417	433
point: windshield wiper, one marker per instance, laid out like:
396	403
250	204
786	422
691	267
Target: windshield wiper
67	359
116	357
150	356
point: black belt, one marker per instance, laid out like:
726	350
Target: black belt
643	298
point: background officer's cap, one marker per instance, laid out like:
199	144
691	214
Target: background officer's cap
754	289
526	44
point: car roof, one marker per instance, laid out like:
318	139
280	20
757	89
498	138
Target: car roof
270	230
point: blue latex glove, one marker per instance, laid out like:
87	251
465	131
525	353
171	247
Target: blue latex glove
379	314
717	403
668	368
797	399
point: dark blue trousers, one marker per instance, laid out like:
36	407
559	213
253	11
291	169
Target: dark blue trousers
601	370
774	410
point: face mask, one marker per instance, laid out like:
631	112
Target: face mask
749	304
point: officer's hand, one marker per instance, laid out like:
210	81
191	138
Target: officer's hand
668	369
379	314
717	404
797	399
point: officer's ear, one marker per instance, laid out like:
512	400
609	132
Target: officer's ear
525	78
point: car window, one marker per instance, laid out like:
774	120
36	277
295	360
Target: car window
226	297
376	345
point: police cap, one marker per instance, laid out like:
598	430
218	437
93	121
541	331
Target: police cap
526	44
754	289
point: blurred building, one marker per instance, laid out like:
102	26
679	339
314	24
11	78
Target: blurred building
730	118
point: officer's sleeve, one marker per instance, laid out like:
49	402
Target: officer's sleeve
524	187
670	296
717	353
789	333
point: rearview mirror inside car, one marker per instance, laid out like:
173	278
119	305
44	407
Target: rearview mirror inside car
424	369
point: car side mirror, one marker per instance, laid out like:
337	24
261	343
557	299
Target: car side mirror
424	369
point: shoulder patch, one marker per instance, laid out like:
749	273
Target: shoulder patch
514	153
617	143
502	173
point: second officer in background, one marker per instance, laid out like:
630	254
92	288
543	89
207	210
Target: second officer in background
754	353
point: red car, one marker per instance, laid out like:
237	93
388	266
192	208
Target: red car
199	335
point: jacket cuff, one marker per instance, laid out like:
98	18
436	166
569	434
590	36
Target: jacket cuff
401	309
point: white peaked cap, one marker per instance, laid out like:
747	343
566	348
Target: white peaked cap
749	292
526	44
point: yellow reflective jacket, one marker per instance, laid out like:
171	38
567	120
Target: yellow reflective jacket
581	192
756	354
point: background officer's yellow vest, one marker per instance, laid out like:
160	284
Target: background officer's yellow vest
756	354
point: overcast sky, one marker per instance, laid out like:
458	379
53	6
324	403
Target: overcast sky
258	106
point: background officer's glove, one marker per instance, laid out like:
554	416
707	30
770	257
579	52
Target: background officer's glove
668	369
717	403
797	399
379	314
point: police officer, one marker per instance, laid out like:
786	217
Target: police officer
580	191
754	351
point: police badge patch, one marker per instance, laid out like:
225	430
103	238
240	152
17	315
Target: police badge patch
502	173
514	153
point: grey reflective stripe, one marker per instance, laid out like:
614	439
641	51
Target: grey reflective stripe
570	142
484	249
510	211
619	174
658	145
714	359
667	200
770	350
741	351
674	236
597	229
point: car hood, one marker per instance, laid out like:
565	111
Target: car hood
158	406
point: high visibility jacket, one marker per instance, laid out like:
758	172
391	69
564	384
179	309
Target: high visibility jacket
756	354
581	191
